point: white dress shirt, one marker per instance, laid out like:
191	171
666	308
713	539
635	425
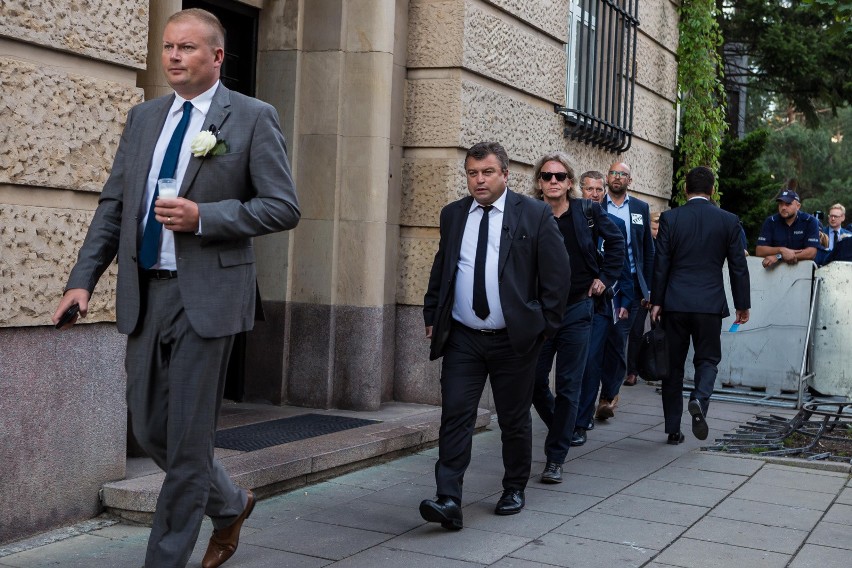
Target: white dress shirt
200	106
463	306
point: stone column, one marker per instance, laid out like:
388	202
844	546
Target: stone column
343	254
267	346
152	79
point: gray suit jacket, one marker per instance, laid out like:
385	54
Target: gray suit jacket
244	193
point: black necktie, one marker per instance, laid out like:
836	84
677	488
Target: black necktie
480	298
149	252
834	240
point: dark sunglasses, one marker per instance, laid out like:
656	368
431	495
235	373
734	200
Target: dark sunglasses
560	176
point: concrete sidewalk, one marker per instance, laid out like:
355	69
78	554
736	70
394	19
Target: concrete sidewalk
628	499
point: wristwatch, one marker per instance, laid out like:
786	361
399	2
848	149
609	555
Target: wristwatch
779	256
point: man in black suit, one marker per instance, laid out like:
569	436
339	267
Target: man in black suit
497	287
692	245
640	248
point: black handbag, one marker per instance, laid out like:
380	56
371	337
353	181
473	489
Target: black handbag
653	359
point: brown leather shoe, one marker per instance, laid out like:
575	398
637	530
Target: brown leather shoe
604	410
224	542
630	381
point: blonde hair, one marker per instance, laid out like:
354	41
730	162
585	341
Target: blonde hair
216	38
838	206
563	159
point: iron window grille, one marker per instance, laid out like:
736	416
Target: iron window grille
601	73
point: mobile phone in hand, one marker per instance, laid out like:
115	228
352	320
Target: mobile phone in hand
68	316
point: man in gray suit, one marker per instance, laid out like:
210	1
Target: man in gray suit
186	273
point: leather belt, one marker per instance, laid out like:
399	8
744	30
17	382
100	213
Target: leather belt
500	331
156	274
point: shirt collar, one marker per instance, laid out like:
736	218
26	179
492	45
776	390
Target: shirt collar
698	197
626	200
499	205
202	102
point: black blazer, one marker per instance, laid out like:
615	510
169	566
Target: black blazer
693	243
533	272
641	242
607	269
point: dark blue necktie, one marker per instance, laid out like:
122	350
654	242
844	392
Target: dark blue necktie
149	252
480	297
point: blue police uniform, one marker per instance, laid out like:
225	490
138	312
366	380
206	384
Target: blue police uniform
802	233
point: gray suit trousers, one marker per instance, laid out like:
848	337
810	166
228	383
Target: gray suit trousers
175	381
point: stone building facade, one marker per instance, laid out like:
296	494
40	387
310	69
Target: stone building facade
378	100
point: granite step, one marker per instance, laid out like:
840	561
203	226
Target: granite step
403	428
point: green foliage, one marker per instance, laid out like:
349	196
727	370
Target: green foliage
702	92
800	50
746	185
820	159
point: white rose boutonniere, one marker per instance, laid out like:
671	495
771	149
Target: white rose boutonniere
207	143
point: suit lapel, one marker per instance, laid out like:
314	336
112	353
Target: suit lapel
510	224
457	226
220	110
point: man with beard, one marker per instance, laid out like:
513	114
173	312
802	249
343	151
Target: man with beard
789	235
640	248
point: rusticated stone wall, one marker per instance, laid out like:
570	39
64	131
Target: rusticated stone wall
59	129
67	80
116	32
38	246
493	70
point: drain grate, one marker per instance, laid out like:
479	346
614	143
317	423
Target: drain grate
274	432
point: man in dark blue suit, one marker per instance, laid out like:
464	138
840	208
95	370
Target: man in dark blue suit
608	310
640	247
693	243
497	288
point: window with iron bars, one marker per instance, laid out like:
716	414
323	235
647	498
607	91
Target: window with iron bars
601	73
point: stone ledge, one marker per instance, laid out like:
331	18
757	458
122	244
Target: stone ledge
272	470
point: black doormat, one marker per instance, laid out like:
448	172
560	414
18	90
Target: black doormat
265	434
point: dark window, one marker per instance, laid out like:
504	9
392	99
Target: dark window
601	73
240	21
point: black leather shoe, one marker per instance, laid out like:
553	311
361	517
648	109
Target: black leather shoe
510	503
590	425
442	510
552	473
675	438
699	423
579	437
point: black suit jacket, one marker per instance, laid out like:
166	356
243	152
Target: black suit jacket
693	243
607	266
641	243
533	272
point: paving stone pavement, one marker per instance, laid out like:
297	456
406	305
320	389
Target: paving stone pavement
628	500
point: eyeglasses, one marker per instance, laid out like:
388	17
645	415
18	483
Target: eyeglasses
830	216
614	173
560	176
